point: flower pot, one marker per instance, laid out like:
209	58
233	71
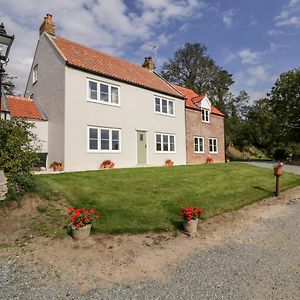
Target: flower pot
190	226
277	171
82	233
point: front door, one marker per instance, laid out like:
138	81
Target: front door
141	147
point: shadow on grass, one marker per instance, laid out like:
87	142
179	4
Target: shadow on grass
261	189
177	225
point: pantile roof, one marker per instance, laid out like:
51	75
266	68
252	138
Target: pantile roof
94	61
20	107
192	98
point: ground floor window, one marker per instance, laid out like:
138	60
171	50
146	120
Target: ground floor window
104	139
165	142
199	144
213	145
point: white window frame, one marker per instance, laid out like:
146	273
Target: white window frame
99	150
161	137
168	106
203	144
215	147
205	115
98	100
35	74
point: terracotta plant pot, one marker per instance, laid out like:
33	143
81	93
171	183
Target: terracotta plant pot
277	171
82	233
190	226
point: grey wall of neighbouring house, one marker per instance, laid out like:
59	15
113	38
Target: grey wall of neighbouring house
214	129
49	91
136	112
3	186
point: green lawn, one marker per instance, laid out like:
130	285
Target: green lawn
150	199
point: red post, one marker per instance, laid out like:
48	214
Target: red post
277	193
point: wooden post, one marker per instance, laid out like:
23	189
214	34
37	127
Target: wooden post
277	193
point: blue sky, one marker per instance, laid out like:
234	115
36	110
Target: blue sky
253	40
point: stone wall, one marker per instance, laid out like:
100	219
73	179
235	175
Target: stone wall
3	186
214	129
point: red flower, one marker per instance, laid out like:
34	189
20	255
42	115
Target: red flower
70	210
72	220
92	210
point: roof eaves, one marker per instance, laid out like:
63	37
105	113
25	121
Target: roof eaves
119	79
170	84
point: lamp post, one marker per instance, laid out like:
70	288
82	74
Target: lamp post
5	45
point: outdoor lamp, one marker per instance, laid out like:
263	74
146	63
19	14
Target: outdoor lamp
5	43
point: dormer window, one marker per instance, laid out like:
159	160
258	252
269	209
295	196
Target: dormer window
205	115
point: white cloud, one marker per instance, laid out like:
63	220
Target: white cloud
290	15
249	57
227	17
273	32
257	74
111	26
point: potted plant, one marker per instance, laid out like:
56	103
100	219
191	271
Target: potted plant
209	160
81	222
169	162
278	168
57	166
190	216
107	164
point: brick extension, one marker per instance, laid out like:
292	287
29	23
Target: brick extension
195	127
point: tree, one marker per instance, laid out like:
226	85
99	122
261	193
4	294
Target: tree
18	156
8	85
191	67
285	104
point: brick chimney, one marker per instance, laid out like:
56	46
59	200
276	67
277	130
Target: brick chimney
48	25
149	64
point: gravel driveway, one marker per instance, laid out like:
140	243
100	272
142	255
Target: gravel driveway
261	261
269	165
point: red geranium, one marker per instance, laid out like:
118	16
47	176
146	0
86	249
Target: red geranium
191	213
81	217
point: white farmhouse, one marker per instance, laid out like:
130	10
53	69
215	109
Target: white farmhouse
100	107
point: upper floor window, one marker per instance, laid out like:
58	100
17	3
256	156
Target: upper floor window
35	74
103	92
104	139
164	106
213	145
199	144
165	142
205	115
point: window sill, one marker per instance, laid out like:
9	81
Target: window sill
103	151
103	102
163	114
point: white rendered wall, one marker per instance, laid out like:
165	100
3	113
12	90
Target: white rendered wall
136	112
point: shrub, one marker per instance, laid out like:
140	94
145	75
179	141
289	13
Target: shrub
18	156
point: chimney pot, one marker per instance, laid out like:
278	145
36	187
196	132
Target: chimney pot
48	25
149	64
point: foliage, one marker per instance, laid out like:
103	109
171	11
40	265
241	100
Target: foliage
285	104
190	213
18	156
148	199
8	85
81	217
191	67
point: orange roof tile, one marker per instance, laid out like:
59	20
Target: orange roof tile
192	98
92	60
20	107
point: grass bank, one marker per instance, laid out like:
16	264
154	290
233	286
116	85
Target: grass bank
149	199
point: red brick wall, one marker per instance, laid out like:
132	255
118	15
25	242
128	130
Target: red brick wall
195	127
